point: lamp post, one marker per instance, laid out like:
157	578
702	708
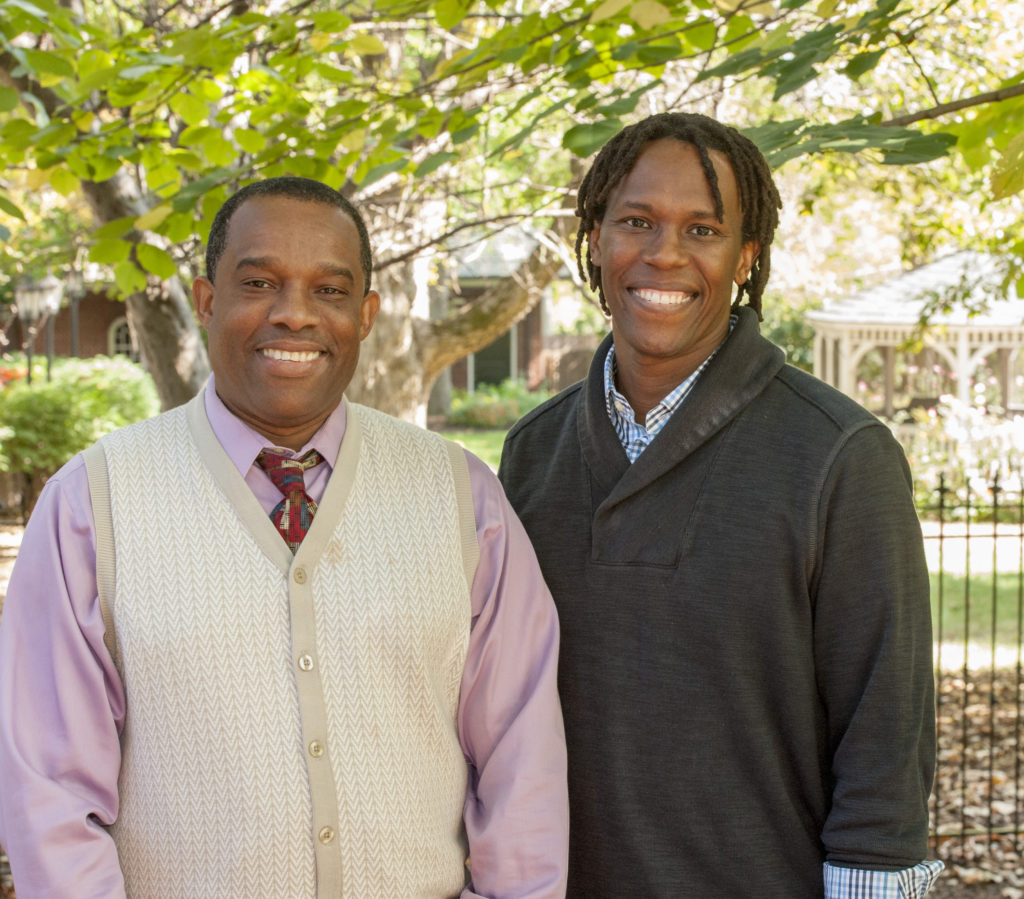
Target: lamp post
38	302
75	290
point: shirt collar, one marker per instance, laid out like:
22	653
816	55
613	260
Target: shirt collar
243	444
621	412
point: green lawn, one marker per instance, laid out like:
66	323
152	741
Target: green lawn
483	443
978	597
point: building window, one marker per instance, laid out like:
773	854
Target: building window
120	341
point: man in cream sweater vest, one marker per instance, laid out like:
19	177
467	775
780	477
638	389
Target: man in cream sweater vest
273	643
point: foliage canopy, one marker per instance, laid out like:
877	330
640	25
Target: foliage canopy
443	119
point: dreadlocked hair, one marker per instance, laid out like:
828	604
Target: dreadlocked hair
759	197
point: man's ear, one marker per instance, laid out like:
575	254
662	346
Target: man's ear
202	299
594	244
368	313
748	256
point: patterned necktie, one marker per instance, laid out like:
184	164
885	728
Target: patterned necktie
294	514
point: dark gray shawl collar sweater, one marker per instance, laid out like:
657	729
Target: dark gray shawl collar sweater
746	649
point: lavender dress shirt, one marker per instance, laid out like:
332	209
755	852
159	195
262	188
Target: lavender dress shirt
62	707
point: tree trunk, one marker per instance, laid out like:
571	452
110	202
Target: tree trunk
160	316
405	353
171	346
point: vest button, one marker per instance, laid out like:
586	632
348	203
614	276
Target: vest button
316	749
300	575
306	662
326	835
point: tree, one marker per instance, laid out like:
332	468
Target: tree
443	119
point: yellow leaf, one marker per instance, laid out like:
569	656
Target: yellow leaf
63	181
649	14
731	6
366	44
354	140
776	38
1008	175
319	40
36	178
83	120
153	218
608	9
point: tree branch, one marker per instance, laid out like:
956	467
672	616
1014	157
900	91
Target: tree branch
935	112
489	315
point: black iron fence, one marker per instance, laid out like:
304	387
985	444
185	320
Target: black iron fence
974	536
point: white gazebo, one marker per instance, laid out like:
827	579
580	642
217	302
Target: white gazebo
872	345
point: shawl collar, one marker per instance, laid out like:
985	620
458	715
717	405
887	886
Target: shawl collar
742	369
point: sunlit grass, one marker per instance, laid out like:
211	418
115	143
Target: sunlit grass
967	607
483	443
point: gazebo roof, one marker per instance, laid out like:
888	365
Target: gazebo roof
901	300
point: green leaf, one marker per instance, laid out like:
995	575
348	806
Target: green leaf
128	277
103	168
433	163
795	75
586	139
30	9
743	61
178	227
94	60
863	62
331	20
55	134
8	98
658	54
920	148
249	140
379	171
12	210
156	261
153	218
109	251
192	110
196	135
140	72
464	134
450	12
116	228
43	62
701	36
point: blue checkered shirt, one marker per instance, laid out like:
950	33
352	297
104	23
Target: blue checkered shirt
634	436
855	883
840	883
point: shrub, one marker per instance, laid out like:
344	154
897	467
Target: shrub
493	406
965	448
44	424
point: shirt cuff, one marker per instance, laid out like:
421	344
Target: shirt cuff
860	883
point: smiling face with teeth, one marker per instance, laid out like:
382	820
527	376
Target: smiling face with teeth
286	315
668	266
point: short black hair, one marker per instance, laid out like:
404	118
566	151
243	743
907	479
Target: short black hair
759	197
305	189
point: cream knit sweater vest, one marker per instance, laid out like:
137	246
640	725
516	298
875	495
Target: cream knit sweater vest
291	725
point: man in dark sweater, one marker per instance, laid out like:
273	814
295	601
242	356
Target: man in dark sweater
737	563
